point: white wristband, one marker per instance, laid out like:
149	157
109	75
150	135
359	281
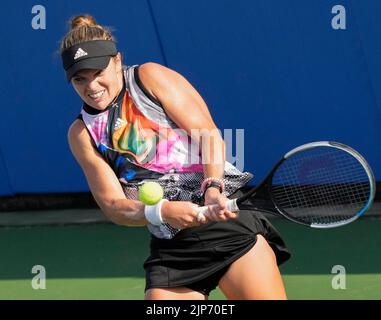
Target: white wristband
153	213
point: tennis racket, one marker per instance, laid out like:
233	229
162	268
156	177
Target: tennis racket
320	184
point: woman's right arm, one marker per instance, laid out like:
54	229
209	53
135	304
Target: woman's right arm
107	190
102	181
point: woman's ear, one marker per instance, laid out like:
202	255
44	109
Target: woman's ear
118	61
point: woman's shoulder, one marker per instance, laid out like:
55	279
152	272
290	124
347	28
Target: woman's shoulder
76	125
151	67
153	71
77	132
155	76
149	76
146	67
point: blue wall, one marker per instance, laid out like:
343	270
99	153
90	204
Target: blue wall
275	68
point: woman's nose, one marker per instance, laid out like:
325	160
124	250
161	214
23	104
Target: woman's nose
92	85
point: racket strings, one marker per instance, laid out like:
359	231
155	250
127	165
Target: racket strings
321	186
328	200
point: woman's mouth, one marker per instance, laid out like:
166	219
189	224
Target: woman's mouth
96	95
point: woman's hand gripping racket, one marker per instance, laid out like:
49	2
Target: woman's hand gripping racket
320	184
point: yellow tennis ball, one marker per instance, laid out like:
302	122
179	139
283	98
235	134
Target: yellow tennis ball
151	193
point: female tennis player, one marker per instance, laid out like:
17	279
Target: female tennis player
138	124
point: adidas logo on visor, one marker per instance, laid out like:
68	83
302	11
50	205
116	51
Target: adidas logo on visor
80	53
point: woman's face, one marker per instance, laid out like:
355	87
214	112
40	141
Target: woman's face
98	88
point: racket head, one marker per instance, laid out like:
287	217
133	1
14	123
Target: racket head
322	185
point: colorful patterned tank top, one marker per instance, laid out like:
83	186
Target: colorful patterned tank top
140	142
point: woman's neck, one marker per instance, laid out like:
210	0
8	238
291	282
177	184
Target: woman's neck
120	88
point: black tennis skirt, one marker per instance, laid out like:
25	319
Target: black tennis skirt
197	253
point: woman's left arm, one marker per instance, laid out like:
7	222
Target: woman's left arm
184	105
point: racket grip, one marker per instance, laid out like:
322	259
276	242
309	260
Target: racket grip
231	205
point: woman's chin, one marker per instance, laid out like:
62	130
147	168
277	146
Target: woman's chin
99	105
